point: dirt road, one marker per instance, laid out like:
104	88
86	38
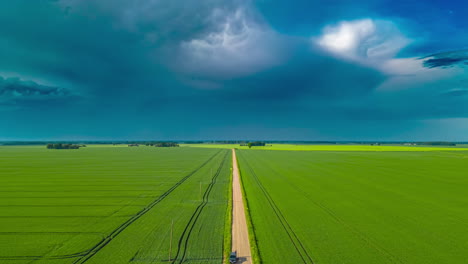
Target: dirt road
240	234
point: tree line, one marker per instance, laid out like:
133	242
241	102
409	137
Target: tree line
254	144
436	143
162	144
64	146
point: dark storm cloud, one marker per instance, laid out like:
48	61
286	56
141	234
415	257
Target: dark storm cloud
447	59
16	89
310	74
151	49
19	93
40	39
137	64
133	49
443	62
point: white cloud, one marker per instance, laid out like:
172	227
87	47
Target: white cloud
369	42
375	44
345	38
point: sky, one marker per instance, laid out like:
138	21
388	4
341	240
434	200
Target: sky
384	70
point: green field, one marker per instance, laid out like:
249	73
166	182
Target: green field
325	204
105	204
358	207
332	147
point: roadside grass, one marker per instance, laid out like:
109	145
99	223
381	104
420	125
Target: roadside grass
227	245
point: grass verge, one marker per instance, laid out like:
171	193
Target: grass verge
227	245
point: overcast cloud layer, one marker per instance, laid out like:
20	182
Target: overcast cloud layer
233	69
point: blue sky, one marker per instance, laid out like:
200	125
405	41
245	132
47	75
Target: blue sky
233	69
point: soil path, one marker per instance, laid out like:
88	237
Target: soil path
240	234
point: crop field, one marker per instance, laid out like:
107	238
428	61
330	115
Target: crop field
113	205
357	207
377	148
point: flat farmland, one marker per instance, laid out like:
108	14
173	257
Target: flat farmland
357	207
107	204
335	147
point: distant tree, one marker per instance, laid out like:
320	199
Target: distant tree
256	144
63	146
166	144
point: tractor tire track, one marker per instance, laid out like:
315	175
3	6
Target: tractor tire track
184	238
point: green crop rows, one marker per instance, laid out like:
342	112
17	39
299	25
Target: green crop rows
113	205
358	207
343	147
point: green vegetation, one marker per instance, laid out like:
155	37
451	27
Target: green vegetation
253	144
323	204
377	148
437	143
162	144
228	222
63	146
111	204
252	237
358	207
